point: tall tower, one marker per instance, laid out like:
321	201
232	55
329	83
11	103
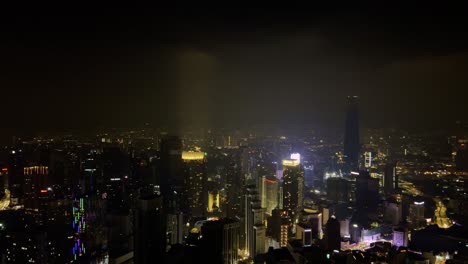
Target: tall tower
171	172
255	229
351	137
268	188
390	179
194	182
220	241
293	188
149	230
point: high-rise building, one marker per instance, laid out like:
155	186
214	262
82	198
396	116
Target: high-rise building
304	234
194	182
351	137
268	188
400	237
220	241
278	227
175	228
332	234
416	214
234	186
393	213
35	179
390	179
313	218
367	190
337	190
149	230
255	229
293	188
171	171
461	157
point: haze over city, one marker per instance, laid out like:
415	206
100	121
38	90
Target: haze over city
234	135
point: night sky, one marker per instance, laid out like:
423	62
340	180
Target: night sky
122	67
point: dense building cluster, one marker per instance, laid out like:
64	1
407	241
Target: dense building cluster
220	196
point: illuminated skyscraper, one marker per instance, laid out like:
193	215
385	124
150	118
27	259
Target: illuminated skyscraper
194	182
351	137
254	224
293	187
268	187
416	214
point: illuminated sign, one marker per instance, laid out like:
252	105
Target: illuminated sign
192	155
290	162
296	156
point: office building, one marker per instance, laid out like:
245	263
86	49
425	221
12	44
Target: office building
337	190
268	188
332	234
304	234
390	179
416	214
314	219
170	172
278	227
255	230
351	137
194	183
400	237
293	188
367	190
149	230
220	241
393	213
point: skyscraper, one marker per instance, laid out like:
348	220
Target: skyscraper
390	179
337	190
416	214
351	137
220	241
171	176
194	182
254	224
149	230
268	188
293	187
332	234
367	190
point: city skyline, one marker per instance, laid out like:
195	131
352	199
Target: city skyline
234	135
